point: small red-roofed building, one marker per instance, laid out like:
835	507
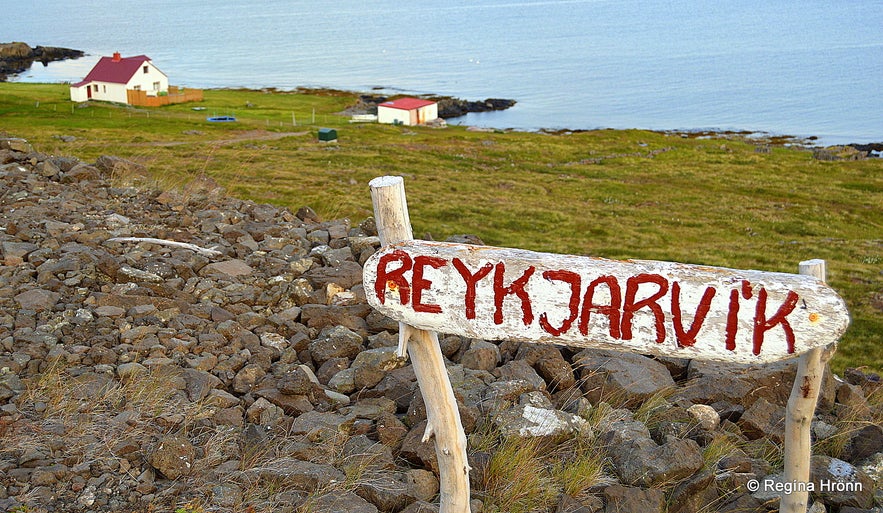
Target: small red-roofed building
113	77
407	111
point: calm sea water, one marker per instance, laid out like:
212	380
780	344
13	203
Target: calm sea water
809	68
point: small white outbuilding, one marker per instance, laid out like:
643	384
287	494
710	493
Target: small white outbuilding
407	111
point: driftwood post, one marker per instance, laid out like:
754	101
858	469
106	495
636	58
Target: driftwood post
800	410
443	418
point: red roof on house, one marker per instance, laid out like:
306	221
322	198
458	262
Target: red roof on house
406	103
116	69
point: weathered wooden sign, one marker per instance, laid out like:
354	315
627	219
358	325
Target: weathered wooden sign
662	308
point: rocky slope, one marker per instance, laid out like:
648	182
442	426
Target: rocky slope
232	364
18	57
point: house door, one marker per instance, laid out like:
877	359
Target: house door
89	92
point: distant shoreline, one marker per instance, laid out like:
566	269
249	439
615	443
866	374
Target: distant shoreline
453	108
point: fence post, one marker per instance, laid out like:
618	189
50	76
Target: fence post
800	411
442	416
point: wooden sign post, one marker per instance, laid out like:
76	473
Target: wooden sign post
647	307
442	416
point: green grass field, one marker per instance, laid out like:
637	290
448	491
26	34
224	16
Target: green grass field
611	193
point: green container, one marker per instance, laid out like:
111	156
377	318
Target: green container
327	134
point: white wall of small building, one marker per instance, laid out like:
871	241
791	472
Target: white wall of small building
407	117
391	115
79	94
429	112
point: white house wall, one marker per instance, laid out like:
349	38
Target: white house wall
146	81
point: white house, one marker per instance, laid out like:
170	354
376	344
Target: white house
112	77
407	111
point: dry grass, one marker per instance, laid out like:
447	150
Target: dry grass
517	479
94	413
530	474
582	464
850	421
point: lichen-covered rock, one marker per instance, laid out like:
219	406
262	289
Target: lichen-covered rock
840	484
526	420
173	456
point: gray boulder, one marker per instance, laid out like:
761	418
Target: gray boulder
764	420
631	378
335	342
621	499
298	474
640	461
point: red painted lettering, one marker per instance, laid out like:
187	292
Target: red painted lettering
575	282
630	306
471	281
611	310
688	338
394	279
746	289
516	288
733	314
762	324
419	283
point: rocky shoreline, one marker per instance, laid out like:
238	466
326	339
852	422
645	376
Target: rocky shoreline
16	57
185	350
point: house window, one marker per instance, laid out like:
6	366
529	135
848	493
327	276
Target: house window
136	88
104	89
145	69
156	86
95	87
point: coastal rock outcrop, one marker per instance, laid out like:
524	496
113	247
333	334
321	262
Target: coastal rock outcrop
456	107
189	351
17	57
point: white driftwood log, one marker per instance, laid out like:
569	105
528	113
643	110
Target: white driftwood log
663	308
171	243
800	410
442	415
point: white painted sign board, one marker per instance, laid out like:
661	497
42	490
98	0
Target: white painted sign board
648	307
